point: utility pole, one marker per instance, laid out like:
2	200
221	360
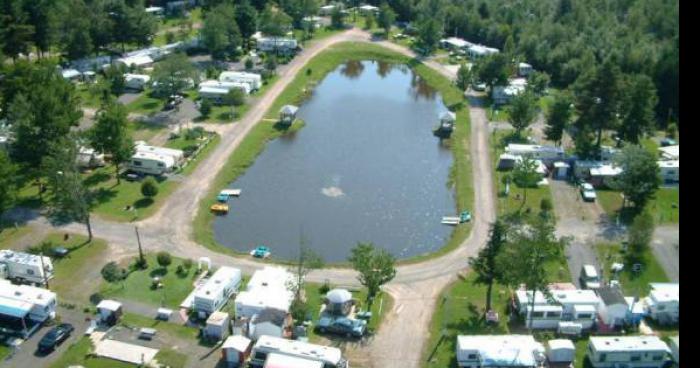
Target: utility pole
43	270
138	239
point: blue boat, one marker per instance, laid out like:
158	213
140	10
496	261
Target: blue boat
222	198
465	216
260	252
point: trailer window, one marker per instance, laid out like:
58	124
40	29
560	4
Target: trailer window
471	356
136	163
537	314
585	316
602	357
635	358
554	314
657	357
160	164
30	271
260	355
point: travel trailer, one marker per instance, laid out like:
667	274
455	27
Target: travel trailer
517	351
151	163
627	351
266	289
663	302
24	308
252	79
25	267
136	81
331	357
216	291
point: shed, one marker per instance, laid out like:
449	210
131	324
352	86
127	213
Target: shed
561	351
217	327
288	113
524	69
109	311
339	301
561	170
236	349
270	322
613	307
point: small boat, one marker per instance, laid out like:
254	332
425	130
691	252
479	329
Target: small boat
465	216
219	208
230	192
222	198
450	220
261	252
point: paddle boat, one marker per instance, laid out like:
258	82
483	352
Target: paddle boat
222	198
465	216
219	208
260	252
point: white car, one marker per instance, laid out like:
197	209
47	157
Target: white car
587	192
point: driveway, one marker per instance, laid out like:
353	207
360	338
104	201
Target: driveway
666	248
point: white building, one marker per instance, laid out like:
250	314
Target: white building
216	291
535	151
331	357
252	79
25	267
521	351
236	350
136	81
217	326
578	306
670	171
560	351
268	288
270	322
627	351
455	44
613	308
663	302
24	308
480	51
222	86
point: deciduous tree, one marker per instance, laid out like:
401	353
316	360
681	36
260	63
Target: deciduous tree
640	177
485	265
558	117
376	267
522	111
110	134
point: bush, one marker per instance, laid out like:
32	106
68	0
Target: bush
180	270
299	309
164	259
546	205
140	264
308	71
111	272
187	263
325	288
149	187
249	64
205	108
672	130
43	247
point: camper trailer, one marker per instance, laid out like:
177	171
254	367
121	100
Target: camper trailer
663	302
217	290
266	289
670	171
226	85
521	351
577	306
560	353
24	308
277	44
151	163
177	155
136	81
266	346
252	79
534	151
25	267
627	351
89	158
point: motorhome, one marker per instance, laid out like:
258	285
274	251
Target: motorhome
503	351
25	267
331	357
216	291
627	351
252	79
24	308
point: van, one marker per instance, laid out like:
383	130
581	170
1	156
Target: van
589	278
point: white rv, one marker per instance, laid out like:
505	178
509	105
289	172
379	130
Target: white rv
25	267
627	351
268	288
480	51
24	308
663	302
136	81
225	85
88	157
211	296
578	306
177	155
535	151
670	171
276	44
151	163
252	79
331	357
521	351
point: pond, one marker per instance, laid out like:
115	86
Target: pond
365	168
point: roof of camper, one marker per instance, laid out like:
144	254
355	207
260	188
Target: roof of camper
579	296
286	361
236	342
168	160
606	170
511	350
111	305
665	293
217	318
7	255
300	348
670	151
560	344
628	344
217	282
532	148
458	42
18	300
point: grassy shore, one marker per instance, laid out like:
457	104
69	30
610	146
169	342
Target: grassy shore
299	89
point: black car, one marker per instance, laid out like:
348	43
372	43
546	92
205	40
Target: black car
55	336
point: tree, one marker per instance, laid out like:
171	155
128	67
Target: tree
525	176
306	261
174	74
8	185
114	75
271	63
639	236
205	108
387	17
234	98
523	260
71	199
337	19
246	17
522	111
375	266
558	117
149	187
640	177
110	134
220	33
112	273
493	70
249	64
538	82
464	77
429	34
484	265
370	21
484	10
274	22
164	259
638	106
16	32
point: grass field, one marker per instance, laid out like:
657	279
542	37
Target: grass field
137	286
632	283
299	90
8	234
172	329
145	104
171	358
78	354
664	208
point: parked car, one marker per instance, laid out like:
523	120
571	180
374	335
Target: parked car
173	101
481	87
55	336
589	278
342	326
587	192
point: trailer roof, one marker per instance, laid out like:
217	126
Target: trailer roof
628	344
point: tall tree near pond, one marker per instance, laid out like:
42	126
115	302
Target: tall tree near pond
173	75
525	176
558	117
485	265
247	19
638	103
464	77
493	70
375	266
640	177
110	134
274	22
8	181
387	17
70	198
522	111
220	33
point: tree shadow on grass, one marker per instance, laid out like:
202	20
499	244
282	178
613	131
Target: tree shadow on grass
104	195
143	203
96	178
158	272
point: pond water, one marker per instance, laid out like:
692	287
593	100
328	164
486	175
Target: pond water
366	167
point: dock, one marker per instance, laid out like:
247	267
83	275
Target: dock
450	220
231	192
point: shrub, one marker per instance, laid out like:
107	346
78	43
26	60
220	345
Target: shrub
164	259
249	64
187	263
149	187
325	288
111	272
299	309
43	247
546	205
308	71
205	107
140	264
672	130
180	270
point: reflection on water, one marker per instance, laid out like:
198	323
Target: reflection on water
366	167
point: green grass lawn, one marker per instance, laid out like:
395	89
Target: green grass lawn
89	96
8	233
81	259
661	207
140	131
299	89
382	304
137	286
4	352
172	329
171	358
145	104
632	284
78	354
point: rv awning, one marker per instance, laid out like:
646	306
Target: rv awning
14	308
